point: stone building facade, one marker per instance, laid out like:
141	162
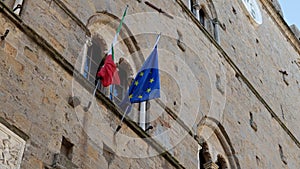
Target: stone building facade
229	72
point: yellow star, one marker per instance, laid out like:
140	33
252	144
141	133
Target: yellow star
136	83
142	74
148	90
130	96
151	80
140	96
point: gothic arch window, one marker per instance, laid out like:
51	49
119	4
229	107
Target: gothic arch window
201	159
193	7
94	59
202	17
206	14
206	160
216	148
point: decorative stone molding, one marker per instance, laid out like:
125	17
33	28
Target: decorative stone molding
210	165
11	149
206	153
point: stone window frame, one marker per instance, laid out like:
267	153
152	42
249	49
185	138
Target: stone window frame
207	16
128	43
205	159
95	50
228	157
93	58
193	7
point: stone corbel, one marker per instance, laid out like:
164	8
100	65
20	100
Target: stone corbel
2	37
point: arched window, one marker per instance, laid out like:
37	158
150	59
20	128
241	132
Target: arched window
205	158
93	60
192	6
201	159
218	151
207	16
202	17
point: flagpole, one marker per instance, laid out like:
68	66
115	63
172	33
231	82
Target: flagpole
157	40
121	122
143	111
123	117
90	102
118	30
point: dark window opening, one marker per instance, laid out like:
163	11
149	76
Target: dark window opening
201	159
94	56
66	148
221	162
192	7
202	17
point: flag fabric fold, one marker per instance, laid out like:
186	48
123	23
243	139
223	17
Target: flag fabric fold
108	73
146	85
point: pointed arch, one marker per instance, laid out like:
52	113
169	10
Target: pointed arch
108	23
217	129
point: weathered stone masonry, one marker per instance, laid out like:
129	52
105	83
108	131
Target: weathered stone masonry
39	73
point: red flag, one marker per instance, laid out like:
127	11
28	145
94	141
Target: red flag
108	73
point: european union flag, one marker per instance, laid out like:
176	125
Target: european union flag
146	85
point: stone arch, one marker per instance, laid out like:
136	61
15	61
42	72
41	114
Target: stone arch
100	42
210	127
207	8
212	9
105	20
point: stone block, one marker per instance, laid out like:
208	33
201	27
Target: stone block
92	152
17	67
10	50
31	54
33	163
22	122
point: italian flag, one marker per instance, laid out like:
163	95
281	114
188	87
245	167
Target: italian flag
108	74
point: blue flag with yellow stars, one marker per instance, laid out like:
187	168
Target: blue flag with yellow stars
146	85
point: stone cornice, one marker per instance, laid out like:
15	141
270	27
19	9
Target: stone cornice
282	25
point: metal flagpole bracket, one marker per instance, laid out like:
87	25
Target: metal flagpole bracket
4	35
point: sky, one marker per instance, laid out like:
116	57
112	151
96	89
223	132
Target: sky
291	11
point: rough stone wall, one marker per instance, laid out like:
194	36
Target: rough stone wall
260	55
34	99
196	83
